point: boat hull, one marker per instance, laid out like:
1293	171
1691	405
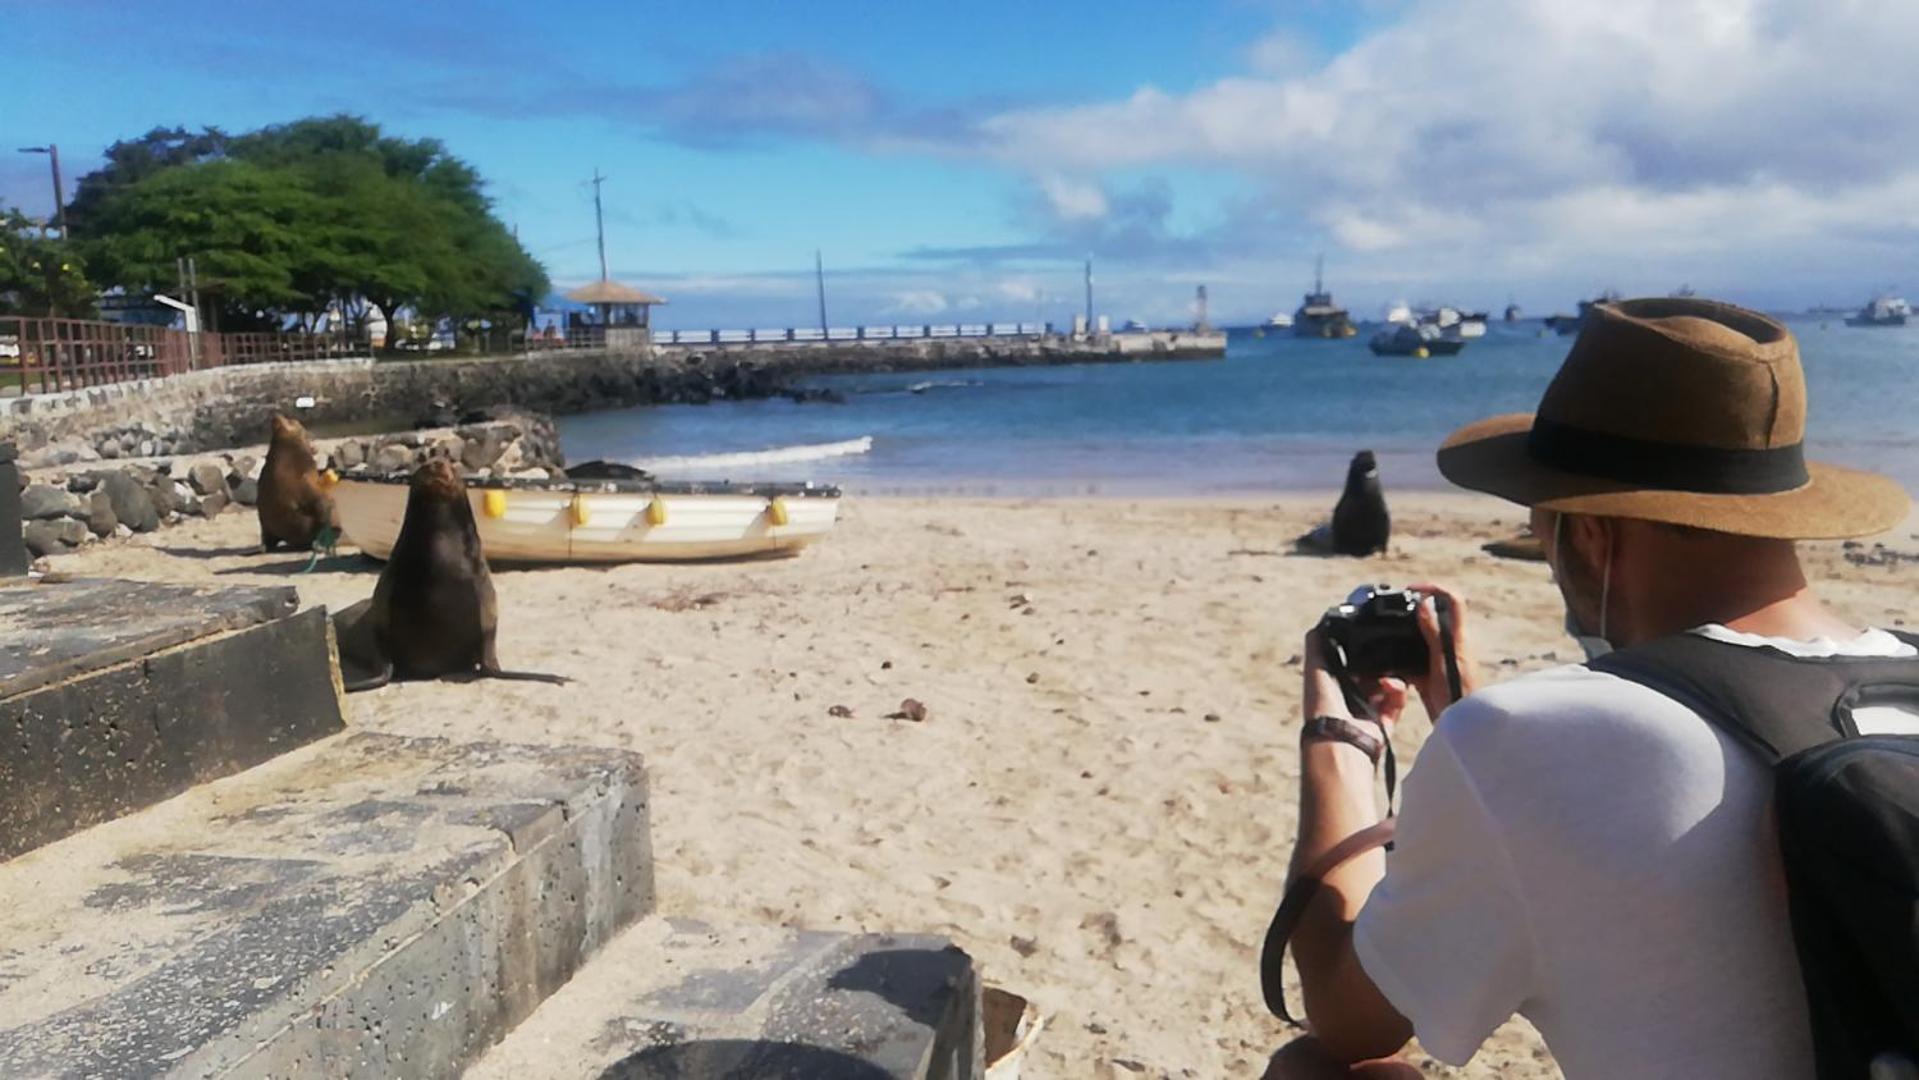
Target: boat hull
537	525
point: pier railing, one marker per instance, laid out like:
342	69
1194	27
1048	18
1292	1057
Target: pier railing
48	355
922	331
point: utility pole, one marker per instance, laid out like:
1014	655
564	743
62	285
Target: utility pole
1089	293
599	219
819	280
59	198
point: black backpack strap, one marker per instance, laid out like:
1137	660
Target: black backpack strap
1772	701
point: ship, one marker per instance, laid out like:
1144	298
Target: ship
1319	317
1881	311
1568	325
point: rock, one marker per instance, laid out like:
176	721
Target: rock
43	502
132	504
109	450
43	538
1212	718
245	466
247	491
165	501
147	448
100	519
450	447
910	709
82	484
840	711
122	531
393	458
207	478
350	454
71	533
483	447
213	504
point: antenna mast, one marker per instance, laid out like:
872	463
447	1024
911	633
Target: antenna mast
599	219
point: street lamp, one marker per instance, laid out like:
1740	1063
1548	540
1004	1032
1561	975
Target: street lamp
59	201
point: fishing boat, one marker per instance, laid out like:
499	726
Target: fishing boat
1453	322
1418	340
1318	316
603	516
1568	325
1881	311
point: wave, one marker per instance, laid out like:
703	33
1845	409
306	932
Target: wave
779	455
941	384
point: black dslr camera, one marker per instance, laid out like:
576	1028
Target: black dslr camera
1375	633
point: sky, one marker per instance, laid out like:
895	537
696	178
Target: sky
956	163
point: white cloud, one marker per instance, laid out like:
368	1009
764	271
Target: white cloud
917	302
1517	134
1071	200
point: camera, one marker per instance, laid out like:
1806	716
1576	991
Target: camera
1375	633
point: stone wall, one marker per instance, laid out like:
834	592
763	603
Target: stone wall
65	507
226	407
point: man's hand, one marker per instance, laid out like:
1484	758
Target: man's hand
1321	695
1435	689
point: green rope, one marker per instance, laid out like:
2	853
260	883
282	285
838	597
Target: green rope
326	543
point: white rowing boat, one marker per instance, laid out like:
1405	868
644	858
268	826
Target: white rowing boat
603	521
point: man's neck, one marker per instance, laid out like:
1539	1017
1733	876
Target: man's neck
1754	588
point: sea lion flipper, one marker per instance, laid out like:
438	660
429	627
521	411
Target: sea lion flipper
371	682
524	676
363	665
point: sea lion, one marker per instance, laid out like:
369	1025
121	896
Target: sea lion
294	509
433	613
1361	524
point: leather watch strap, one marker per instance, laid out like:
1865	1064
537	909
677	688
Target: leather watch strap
1351	732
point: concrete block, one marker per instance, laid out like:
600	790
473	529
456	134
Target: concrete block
117	694
672	999
366	906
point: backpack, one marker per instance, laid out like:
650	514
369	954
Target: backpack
1847	812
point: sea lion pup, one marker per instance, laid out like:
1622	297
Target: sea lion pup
293	507
1360	525
433	614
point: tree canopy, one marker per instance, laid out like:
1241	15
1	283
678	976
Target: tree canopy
285	222
39	276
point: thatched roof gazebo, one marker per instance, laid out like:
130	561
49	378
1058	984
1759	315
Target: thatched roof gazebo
617	304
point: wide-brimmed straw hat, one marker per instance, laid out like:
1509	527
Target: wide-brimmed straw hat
1676	410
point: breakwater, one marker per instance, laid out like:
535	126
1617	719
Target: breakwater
231	406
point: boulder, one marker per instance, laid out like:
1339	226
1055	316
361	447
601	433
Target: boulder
350	454
207	478
100	519
44	502
165	500
483	447
247	491
213	504
393	458
45	538
132	504
83	483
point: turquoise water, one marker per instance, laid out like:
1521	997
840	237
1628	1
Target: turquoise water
1278	413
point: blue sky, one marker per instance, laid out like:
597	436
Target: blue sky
954	163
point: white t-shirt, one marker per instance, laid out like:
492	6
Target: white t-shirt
1593	855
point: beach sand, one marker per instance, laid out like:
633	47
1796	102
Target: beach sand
1101	799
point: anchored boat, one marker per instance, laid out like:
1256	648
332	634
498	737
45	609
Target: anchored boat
603	520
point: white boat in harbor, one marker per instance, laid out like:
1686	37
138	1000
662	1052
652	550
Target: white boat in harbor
603	520
1281	320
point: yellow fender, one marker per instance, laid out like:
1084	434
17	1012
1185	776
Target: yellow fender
578	511
656	512
328	479
776	511
493	502
1422	352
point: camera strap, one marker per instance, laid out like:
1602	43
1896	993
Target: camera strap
1301	890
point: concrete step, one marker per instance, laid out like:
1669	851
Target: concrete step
673	999
366	906
117	694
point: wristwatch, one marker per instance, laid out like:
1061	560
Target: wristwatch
1350	732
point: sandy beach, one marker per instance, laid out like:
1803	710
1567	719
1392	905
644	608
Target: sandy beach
1100	801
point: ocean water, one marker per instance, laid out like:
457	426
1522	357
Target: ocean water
1277	414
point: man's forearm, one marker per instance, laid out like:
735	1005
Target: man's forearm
1347	1012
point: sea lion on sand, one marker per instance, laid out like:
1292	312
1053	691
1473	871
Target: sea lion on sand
294	509
433	613
1360	525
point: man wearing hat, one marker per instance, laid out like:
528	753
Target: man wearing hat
1573	846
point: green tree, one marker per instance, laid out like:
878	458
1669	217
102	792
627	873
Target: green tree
291	220
39	276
